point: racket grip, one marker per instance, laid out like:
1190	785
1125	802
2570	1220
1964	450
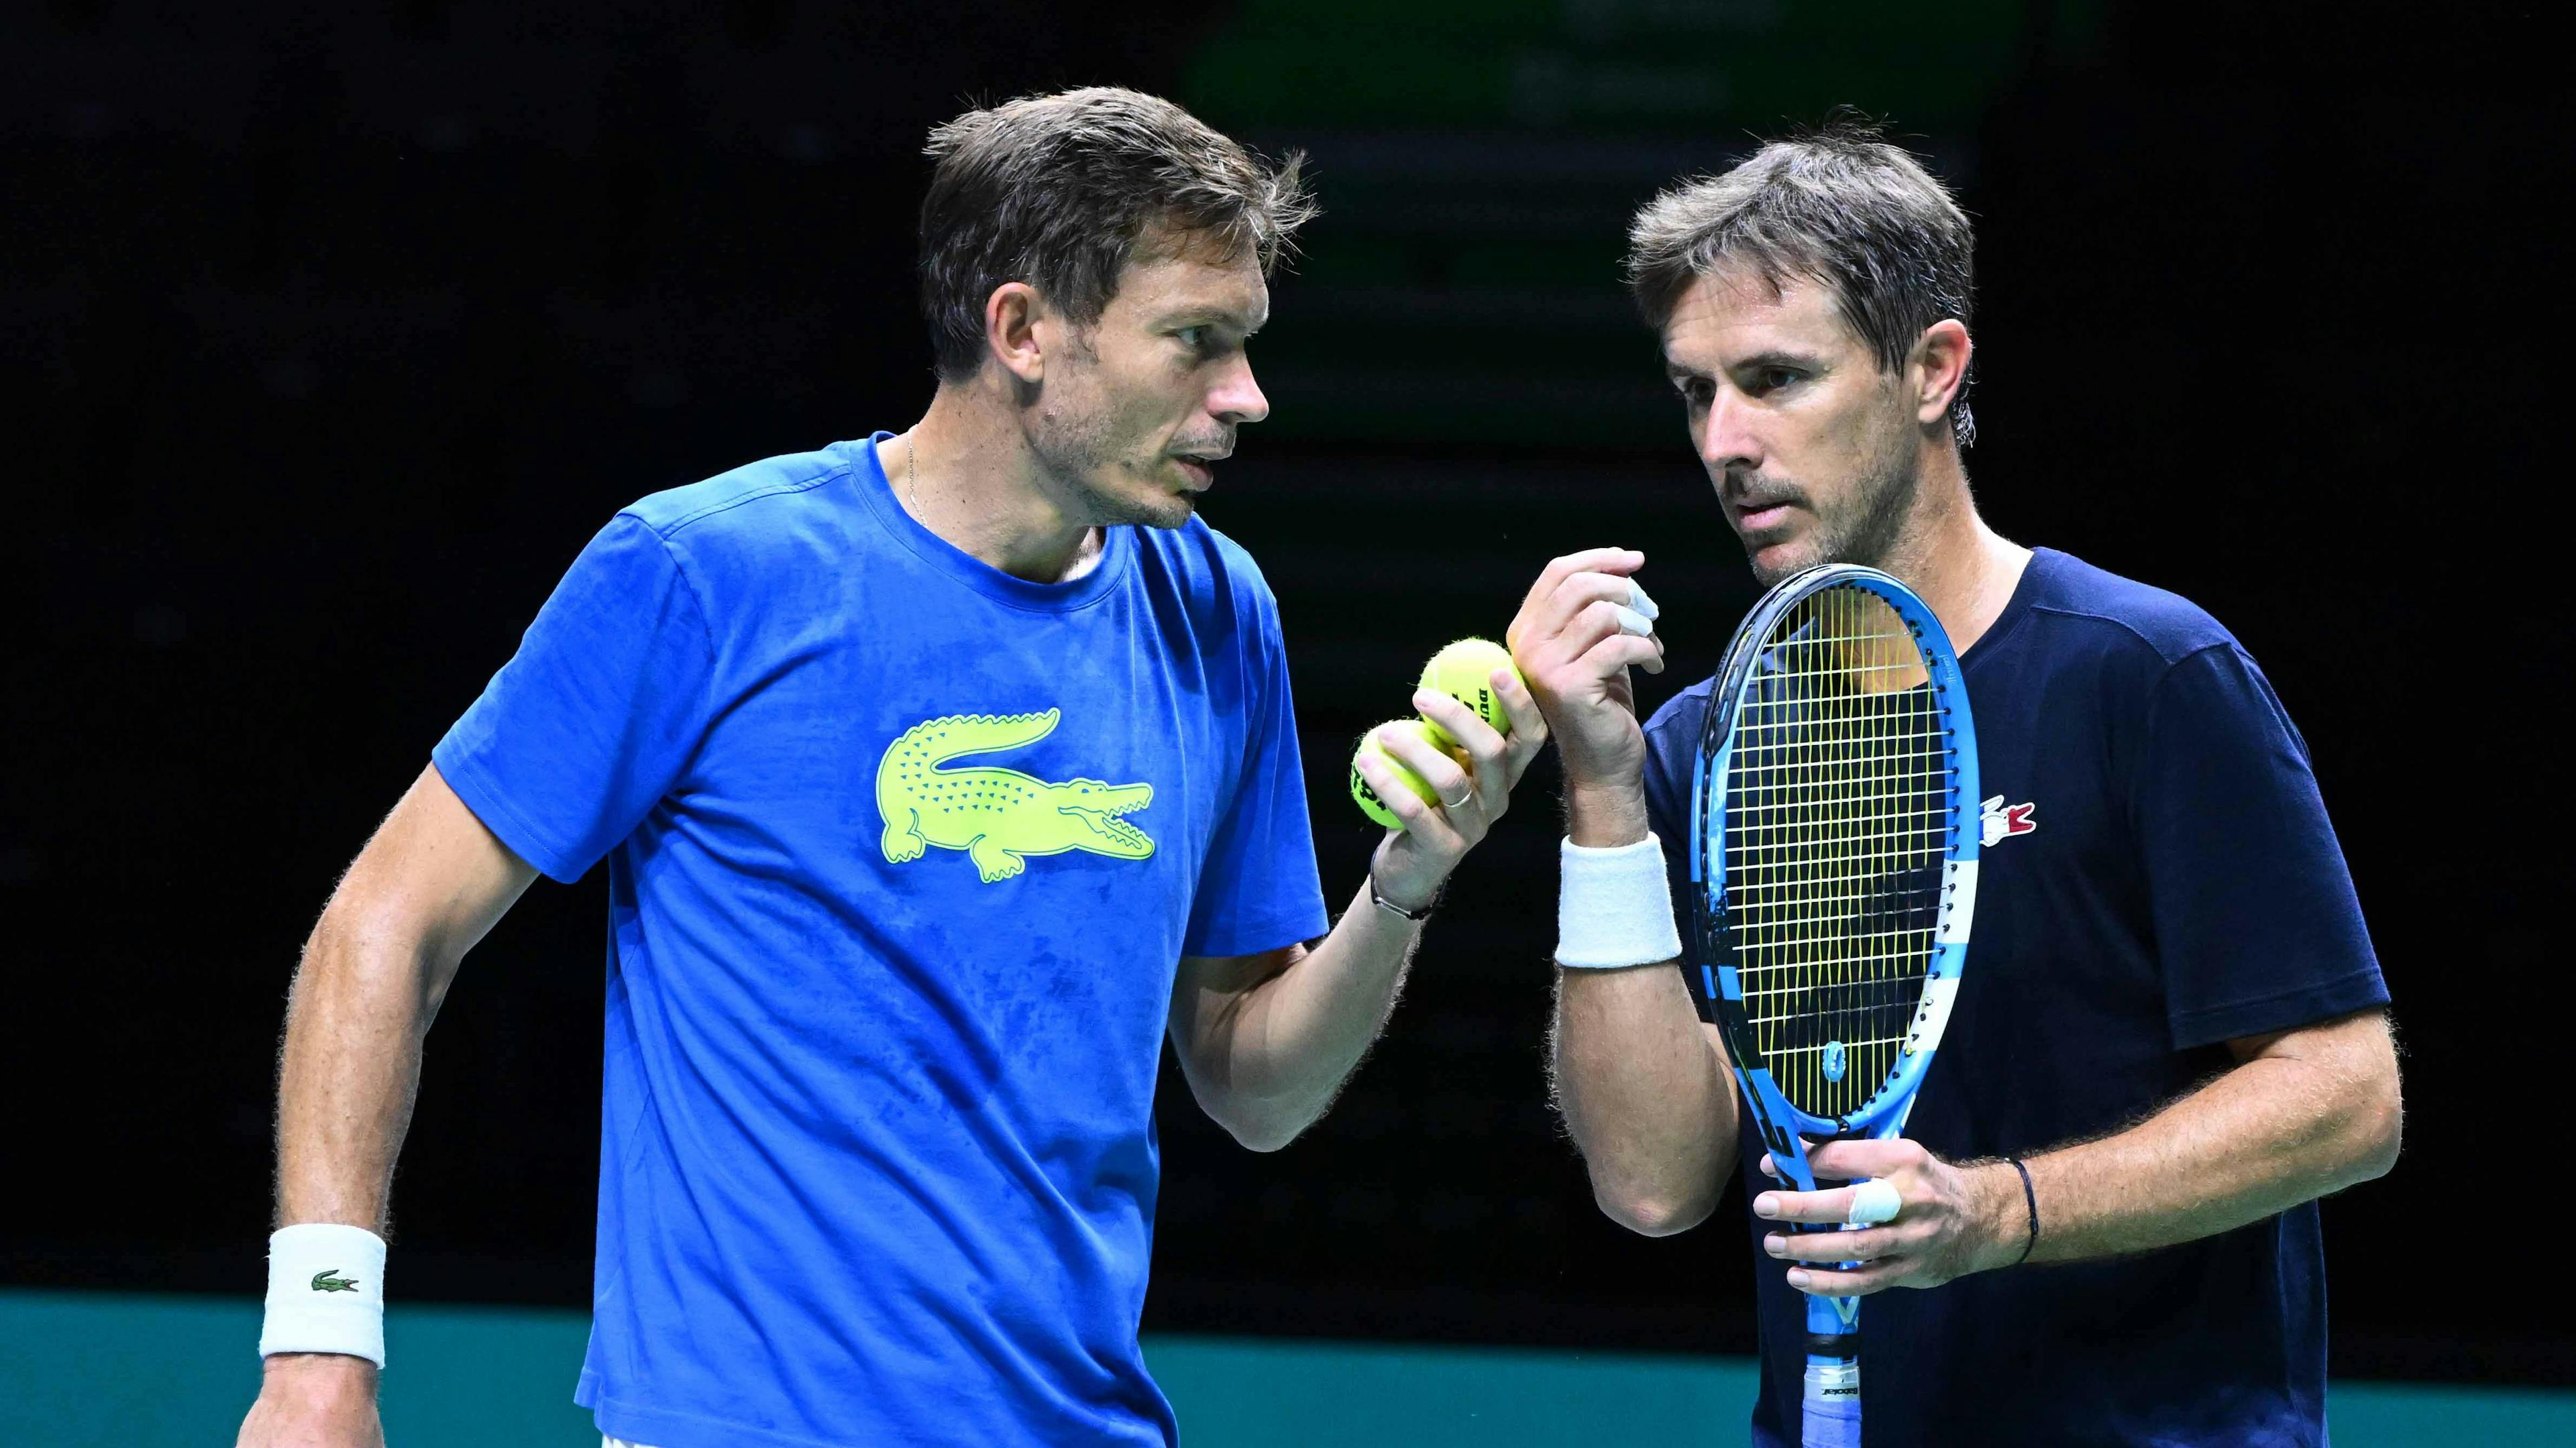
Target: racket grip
1829	1408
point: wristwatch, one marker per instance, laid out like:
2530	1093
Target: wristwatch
1390	907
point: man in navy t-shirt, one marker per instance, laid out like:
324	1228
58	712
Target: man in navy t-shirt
2171	1021
941	778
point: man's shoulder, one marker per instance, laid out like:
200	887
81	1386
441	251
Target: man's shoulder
730	503
1195	549
1213	575
2119	612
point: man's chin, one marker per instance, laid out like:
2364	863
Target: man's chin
1172	510
1775	561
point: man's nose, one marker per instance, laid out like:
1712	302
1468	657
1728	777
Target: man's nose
1237	398
1728	444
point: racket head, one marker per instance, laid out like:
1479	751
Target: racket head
1833	856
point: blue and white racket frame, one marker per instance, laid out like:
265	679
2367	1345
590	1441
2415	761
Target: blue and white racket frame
1831	1398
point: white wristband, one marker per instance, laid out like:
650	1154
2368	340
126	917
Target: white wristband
326	1291
1614	907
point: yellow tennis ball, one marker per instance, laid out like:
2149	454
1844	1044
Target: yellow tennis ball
1369	802
1464	671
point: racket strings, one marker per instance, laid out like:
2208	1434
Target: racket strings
1838	802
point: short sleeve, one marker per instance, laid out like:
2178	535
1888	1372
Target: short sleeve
590	723
1258	889
2257	926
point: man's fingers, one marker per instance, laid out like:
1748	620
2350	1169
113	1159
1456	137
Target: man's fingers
1867	1244
1567	612
1600	619
1876	1277
1852	1160
1438	767
1605	659
1827	1206
1590	560
1459	722
1488	754
1638	600
1529	725
1425	822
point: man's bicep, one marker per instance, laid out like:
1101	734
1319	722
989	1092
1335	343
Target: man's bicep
432	873
1210	990
2362	1039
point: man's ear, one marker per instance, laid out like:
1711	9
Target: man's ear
1940	369
1011	317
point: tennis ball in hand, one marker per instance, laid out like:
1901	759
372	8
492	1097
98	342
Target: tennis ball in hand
1369	802
1464	671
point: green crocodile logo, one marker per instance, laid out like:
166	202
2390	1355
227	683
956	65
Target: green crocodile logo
323	1281
999	817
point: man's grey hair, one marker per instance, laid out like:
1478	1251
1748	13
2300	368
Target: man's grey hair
1058	191
1841	206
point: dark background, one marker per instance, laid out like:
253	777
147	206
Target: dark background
329	333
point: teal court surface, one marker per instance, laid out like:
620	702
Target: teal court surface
136	1371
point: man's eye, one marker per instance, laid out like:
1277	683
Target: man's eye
1772	379
1194	338
1698	392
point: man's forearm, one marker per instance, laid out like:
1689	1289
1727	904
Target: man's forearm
1642	1090
1293	1039
1644	1095
2269	1134
347	1075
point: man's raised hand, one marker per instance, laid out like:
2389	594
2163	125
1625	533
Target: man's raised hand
1412	864
1583	625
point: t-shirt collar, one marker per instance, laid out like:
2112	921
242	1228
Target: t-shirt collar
1118	546
2025	590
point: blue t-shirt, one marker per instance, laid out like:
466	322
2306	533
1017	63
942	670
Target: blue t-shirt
903	852
2158	878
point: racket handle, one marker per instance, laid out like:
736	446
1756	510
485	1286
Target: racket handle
1829	1405
1829	1408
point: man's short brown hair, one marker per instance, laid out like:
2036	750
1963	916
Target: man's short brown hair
1057	191
1841	206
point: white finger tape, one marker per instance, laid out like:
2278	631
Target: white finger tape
326	1291
1638	600
1633	622
1873	1202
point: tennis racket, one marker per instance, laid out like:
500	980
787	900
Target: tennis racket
1834	871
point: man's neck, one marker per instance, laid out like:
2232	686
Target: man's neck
1963	569
965	472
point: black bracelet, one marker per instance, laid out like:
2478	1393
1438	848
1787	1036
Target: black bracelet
2029	1199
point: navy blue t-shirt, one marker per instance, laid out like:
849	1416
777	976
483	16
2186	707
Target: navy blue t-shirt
2159	878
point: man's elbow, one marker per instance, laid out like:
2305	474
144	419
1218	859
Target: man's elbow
1264	1136
2378	1129
1255	1124
1649	1213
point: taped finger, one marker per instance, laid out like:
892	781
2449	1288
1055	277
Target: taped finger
1644	605
1873	1202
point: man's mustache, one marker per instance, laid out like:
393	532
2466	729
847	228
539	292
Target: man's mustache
1747	493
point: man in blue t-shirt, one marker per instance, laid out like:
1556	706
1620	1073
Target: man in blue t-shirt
941	778
2171	1019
